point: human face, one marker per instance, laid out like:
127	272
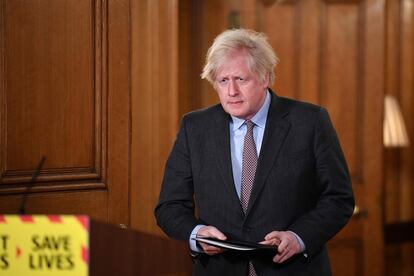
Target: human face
241	92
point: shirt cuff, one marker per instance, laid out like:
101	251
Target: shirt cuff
301	243
193	243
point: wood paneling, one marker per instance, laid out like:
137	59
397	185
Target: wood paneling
60	203
309	63
43	64
119	111
406	94
159	97
154	101
399	162
65	94
341	85
371	196
190	64
350	251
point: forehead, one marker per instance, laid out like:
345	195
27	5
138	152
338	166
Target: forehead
234	63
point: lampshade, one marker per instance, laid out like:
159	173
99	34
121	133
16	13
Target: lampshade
395	133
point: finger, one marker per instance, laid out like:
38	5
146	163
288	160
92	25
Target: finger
214	251
286	251
210	231
211	253
274	242
217	234
268	242
273	238
277	258
291	243
283	245
286	256
282	256
272	235
283	249
210	250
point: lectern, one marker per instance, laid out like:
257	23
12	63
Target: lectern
117	251
61	245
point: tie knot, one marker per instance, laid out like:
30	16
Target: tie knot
249	125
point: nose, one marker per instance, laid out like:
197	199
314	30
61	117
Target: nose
233	88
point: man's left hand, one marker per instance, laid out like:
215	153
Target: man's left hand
288	244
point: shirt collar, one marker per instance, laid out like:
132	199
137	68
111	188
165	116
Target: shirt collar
259	119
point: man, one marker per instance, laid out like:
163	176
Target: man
259	168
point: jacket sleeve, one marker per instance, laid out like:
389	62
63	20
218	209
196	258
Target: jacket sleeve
336	202
175	210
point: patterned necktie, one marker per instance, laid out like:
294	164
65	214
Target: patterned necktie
249	164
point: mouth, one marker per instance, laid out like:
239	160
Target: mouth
235	103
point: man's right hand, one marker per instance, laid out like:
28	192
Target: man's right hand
211	232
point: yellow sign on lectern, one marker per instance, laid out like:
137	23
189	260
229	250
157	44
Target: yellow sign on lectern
44	245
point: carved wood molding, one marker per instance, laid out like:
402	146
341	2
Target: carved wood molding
271	2
50	175
51	187
343	1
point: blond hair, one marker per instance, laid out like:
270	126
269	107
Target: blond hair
261	57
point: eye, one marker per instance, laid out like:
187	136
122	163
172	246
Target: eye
241	80
222	81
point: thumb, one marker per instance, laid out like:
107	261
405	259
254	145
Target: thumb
217	234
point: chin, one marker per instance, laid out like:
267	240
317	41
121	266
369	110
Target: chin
235	113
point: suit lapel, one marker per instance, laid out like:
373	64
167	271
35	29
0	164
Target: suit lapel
223	153
275	134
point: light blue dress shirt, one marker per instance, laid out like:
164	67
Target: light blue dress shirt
238	130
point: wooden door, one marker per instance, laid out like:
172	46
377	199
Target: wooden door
332	54
64	94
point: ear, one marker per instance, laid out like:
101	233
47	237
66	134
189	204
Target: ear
266	81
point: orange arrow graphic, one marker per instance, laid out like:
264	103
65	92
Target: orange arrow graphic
18	252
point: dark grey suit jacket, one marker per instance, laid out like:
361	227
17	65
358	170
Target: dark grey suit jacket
302	184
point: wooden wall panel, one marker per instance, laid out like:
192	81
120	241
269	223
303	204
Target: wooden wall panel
371	145
159	97
341	85
65	94
118	127
54	63
50	91
191	56
309	52
280	24
154	103
399	162
60	203
406	96
350	252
